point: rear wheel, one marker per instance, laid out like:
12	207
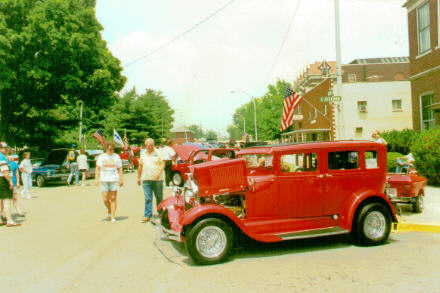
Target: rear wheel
41	182
209	241
373	224
418	205
177	179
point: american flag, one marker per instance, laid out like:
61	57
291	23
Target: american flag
125	140
291	101
99	136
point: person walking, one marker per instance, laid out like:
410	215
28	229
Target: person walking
377	138
6	186
150	174
15	180
25	168
169	155
109	173
83	166
72	165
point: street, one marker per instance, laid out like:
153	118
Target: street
66	245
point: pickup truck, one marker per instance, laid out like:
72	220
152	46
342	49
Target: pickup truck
406	188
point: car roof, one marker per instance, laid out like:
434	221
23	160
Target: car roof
269	149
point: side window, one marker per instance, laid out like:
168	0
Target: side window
302	162
258	161
371	160
343	160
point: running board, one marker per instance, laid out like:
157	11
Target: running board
313	233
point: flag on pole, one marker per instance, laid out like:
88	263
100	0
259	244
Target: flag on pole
99	136
117	138
291	101
125	140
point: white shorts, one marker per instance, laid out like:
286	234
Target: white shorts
109	186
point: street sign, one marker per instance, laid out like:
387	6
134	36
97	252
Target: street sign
330	99
298	117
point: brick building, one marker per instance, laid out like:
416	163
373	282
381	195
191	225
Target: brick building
181	135
424	51
376	95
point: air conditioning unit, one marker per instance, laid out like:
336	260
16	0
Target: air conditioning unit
362	108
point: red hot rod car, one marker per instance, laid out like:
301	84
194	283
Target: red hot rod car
277	193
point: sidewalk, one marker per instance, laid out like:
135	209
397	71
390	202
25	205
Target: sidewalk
428	220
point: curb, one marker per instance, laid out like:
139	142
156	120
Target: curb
413	227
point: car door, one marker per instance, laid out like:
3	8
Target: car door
300	185
344	178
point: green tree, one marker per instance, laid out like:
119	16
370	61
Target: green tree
142	116
269	111
211	135
52	56
198	131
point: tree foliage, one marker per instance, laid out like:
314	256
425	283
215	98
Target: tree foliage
198	131
143	116
269	111
52	56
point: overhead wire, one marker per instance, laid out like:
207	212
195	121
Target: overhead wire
292	19
179	35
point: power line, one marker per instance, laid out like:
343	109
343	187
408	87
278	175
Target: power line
284	39
180	35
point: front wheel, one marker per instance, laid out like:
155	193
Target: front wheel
418	205
209	241
41	182
373	224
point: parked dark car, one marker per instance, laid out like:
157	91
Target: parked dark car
53	168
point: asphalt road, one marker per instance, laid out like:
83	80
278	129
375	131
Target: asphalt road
66	245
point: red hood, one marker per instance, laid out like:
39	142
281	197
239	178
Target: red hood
183	151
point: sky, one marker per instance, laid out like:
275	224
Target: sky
235	50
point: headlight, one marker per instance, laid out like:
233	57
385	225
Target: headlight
188	195
391	192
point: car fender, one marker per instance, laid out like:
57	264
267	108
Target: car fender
353	203
198	211
167	202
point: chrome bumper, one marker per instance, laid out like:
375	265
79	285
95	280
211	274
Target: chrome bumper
164	232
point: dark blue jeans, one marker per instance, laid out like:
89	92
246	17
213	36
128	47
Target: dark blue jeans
150	187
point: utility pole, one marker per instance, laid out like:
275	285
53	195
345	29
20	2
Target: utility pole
339	71
80	121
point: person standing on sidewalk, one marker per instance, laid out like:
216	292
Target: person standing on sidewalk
26	175
150	174
15	180
72	165
83	166
109	173
169	156
6	186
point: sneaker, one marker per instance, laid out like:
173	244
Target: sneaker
28	197
113	220
145	220
12	224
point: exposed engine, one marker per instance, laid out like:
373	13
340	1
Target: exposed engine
235	202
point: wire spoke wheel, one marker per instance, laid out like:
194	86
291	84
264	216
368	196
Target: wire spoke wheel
211	242
375	225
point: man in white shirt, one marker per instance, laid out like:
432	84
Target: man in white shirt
150	173
109	173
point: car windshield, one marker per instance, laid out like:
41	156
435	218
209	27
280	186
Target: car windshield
258	160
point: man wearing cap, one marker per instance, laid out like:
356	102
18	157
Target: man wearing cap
6	185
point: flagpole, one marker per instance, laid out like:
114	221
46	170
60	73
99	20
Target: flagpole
338	69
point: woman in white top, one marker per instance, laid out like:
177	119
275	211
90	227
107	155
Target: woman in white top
26	174
109	173
377	138
83	166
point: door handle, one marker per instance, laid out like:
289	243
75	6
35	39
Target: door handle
328	175
320	176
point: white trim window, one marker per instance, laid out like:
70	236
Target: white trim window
315	113
325	109
423	28
396	105
428	119
362	106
